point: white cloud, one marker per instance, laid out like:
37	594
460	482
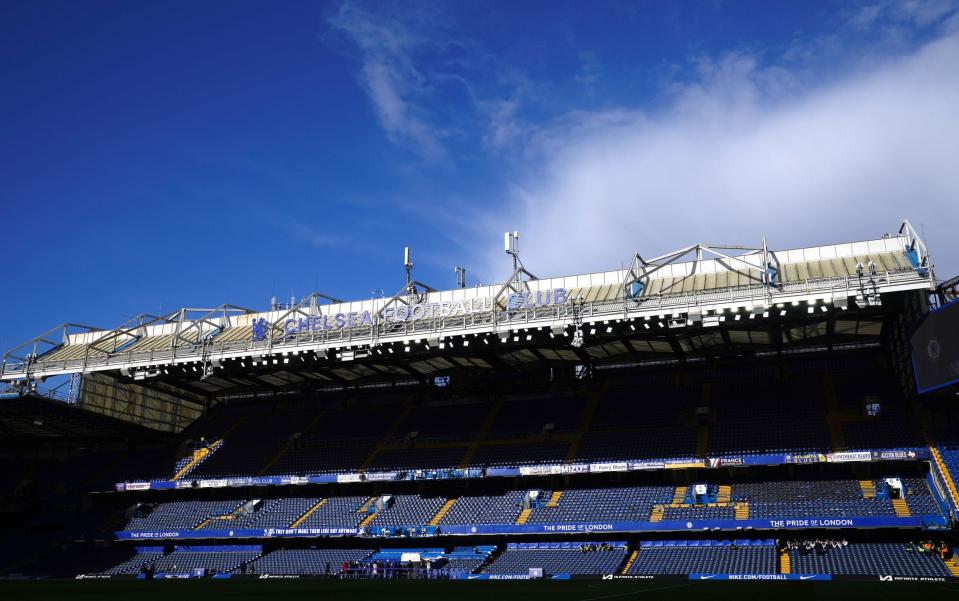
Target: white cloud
747	152
396	87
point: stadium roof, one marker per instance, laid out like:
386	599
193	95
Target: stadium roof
701	299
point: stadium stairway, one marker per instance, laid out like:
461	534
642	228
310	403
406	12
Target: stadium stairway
484	429
289	443
441	513
723	493
784	563
868	489
199	456
523	516
236	424
901	508
388	436
308	513
586	419
944	472
656	514
554	498
679	496
834	416
364	508
741	511
629	561
702	433
953	566
366	521
490	558
702	440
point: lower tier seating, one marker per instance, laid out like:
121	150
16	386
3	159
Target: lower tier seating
706	557
305	561
559	558
867	559
185	560
143	557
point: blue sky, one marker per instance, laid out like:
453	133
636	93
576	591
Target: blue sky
158	155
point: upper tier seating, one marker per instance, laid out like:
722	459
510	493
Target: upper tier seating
336	511
278	513
622	504
759	409
408	510
523	415
825	498
298	437
919	497
483	509
759	417
700	512
182	515
418	458
630	423
547	451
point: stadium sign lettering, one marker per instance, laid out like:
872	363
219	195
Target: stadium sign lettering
408	313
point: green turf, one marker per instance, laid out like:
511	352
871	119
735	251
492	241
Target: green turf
582	590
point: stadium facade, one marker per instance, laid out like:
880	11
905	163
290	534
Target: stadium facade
718	412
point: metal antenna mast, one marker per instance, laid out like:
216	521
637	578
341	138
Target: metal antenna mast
516	282
511	245
408	265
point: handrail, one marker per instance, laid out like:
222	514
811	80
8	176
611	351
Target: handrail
491	321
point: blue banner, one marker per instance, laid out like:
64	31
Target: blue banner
578	528
239	533
674	526
903	454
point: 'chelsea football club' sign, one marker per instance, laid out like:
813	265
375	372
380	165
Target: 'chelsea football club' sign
406	313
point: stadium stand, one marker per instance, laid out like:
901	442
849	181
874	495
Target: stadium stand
491	459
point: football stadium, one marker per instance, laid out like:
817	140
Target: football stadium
714	414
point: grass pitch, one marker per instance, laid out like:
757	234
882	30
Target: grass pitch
572	590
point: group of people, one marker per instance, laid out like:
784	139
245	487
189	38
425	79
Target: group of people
940	549
390	531
817	545
589	548
394	570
